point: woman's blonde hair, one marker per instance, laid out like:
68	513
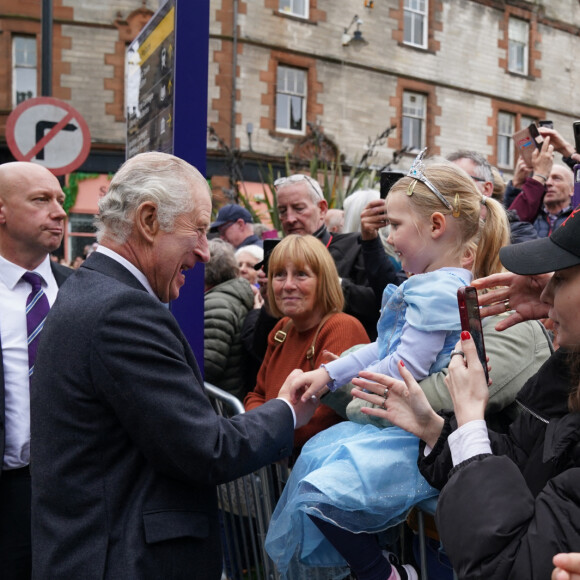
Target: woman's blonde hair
307	251
480	238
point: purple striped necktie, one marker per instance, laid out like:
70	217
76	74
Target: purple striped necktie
37	308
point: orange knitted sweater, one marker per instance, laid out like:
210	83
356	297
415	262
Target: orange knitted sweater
340	332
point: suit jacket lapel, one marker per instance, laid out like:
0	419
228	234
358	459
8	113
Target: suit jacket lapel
101	263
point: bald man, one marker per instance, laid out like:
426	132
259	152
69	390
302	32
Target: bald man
31	226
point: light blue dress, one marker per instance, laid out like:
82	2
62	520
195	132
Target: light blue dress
360	477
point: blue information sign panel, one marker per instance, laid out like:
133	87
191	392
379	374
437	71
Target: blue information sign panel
167	73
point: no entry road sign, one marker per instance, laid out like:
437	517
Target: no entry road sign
49	132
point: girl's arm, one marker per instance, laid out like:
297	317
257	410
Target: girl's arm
418	349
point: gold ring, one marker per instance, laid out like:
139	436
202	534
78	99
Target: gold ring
386	393
507	305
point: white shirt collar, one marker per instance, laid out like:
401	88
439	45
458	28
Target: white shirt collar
131	267
11	273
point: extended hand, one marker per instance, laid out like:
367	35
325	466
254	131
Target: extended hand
512	292
402	403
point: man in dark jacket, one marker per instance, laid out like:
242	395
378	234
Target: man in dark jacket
31	226
127	448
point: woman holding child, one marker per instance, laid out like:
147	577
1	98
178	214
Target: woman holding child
510	503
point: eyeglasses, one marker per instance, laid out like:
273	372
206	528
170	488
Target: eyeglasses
296	178
475	178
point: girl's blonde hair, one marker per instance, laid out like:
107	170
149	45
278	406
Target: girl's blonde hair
307	251
480	238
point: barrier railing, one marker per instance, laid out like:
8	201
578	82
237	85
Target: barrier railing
246	506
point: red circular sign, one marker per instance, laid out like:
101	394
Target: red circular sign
49	132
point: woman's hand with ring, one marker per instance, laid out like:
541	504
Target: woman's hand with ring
466	382
407	407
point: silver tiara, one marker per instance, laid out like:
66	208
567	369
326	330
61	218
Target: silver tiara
416	172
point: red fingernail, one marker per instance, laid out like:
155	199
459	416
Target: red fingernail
401	363
465	335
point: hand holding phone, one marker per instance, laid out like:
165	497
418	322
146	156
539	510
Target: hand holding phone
471	321
527	140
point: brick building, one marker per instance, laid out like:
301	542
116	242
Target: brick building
448	74
445	73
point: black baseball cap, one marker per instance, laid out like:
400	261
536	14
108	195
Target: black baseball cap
558	252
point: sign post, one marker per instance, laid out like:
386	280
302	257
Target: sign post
49	132
167	80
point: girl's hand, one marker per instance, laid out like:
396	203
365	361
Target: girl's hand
466	382
511	292
308	385
567	566
402	403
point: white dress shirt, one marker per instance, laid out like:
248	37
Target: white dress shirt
14	338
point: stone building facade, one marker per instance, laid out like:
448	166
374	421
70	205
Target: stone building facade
447	73
444	73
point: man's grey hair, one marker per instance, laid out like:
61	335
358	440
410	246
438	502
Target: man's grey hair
157	177
482	166
222	265
313	187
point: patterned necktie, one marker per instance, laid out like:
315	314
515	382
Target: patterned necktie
37	308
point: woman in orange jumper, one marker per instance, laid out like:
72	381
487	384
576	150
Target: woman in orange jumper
304	289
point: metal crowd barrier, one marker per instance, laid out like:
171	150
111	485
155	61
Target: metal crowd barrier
246	506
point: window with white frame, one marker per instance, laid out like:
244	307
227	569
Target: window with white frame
505	143
291	99
518	41
294	7
413	121
415	22
24	70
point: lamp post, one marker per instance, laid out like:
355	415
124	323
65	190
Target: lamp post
46	63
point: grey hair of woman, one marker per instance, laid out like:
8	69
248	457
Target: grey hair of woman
353	206
253	250
160	178
222	265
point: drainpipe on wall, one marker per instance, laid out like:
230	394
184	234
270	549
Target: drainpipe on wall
234	72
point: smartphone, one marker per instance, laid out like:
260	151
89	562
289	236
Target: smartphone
269	245
576	127
576	195
388	179
471	321
535	134
526	141
546	123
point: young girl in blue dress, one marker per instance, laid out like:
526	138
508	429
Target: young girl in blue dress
351	480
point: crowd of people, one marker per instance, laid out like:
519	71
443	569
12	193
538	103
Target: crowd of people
343	341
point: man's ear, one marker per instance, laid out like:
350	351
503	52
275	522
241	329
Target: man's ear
323	206
487	188
438	224
146	222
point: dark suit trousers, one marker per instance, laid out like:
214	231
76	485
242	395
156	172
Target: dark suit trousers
15	551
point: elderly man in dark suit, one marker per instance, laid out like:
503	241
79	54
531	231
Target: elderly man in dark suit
127	448
31	226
